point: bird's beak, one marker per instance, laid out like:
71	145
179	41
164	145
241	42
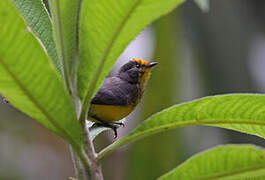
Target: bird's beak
152	64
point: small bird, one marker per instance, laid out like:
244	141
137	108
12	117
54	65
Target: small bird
119	94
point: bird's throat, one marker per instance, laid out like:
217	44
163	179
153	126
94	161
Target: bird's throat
143	79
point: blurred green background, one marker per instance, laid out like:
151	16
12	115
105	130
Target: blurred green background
199	54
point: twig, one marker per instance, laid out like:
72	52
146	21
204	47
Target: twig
79	171
95	167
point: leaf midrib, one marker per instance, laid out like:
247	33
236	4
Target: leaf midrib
192	123
136	136
60	44
39	106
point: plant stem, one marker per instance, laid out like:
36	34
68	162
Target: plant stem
96	172
88	147
88	155
90	169
86	163
79	171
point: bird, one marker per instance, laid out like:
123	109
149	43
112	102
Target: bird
119	94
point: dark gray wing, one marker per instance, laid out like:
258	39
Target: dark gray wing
115	91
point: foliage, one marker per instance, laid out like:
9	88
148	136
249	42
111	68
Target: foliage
78	44
29	81
33	12
224	162
240	112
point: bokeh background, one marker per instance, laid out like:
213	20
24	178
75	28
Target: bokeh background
199	54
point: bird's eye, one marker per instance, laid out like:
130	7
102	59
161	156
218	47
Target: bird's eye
138	65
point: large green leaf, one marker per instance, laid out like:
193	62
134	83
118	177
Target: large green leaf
224	162
240	112
106	28
65	15
28	79
35	15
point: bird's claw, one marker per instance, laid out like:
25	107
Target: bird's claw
120	124
115	127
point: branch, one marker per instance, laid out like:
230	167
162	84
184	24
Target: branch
96	172
79	171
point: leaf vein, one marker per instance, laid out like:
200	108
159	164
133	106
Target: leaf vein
36	103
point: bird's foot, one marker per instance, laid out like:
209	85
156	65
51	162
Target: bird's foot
119	123
114	126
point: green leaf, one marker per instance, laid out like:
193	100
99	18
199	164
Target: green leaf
239	112
65	15
29	81
106	28
224	162
36	17
203	4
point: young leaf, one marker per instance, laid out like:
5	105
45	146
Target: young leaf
65	14
239	112
224	162
35	15
106	28
29	81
